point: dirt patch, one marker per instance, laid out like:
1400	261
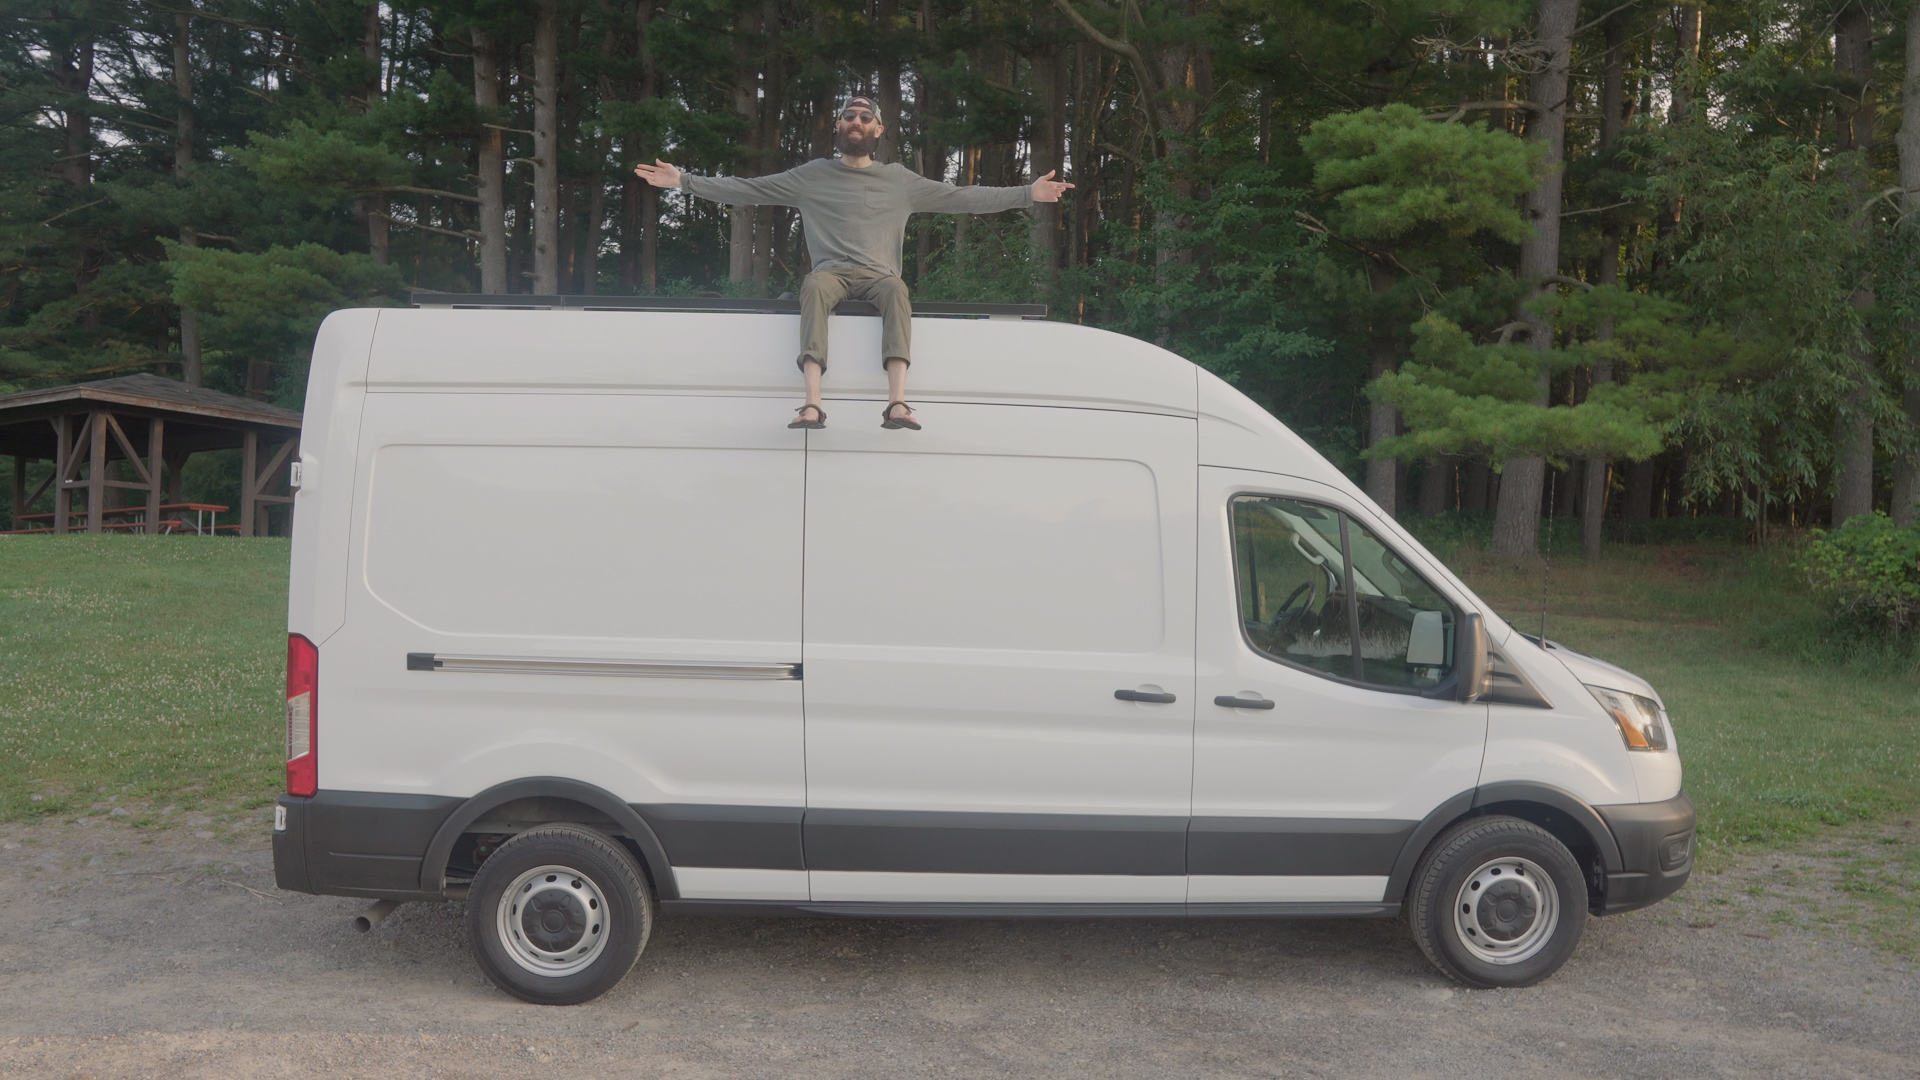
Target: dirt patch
169	954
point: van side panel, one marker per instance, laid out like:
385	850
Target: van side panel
329	437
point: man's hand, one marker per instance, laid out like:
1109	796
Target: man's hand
662	175
1047	189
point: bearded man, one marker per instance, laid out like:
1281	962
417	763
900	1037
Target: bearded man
855	216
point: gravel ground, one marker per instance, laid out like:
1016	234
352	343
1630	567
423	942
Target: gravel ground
169	953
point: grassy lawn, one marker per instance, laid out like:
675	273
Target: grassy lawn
144	671
140	676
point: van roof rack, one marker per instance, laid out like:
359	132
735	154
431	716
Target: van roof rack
732	305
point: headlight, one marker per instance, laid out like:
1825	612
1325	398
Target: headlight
1642	722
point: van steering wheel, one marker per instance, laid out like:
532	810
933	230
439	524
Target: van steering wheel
1286	606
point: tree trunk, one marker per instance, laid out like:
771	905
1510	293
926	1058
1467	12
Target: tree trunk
492	178
74	75
1516	526
1593	488
1637	506
771	111
190	349
1853	426
1691	26
596	217
569	220
546	149
183	94
1679	109
1476	493
886	91
1084	138
1436	486
1179	117
746	105
929	160
1383	420
1048	149
649	195
1906	470
379	225
520	245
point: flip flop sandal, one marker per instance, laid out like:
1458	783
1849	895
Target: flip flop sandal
892	422
819	419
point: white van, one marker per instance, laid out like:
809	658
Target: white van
583	633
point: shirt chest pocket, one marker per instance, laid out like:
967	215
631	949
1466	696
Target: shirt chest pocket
878	199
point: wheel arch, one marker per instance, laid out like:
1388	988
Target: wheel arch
1561	813
549	790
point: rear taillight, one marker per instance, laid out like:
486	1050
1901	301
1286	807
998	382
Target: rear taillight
303	716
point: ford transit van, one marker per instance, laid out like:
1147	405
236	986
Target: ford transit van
582	633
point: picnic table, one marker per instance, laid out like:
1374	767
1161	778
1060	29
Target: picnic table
206	519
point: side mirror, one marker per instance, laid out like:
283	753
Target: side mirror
1470	658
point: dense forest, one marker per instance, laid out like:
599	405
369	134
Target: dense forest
1612	261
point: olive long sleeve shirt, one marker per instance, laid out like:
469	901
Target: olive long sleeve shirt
855	218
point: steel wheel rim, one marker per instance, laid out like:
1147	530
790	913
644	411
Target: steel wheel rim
553	921
1506	911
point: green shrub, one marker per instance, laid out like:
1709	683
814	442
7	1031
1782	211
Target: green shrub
1868	569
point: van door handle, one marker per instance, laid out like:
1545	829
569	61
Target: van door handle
1229	702
1142	695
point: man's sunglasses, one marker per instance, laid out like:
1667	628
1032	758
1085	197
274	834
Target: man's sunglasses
858	114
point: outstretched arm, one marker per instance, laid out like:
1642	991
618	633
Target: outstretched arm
780	189
939	197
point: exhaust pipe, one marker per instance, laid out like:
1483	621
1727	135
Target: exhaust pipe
375	915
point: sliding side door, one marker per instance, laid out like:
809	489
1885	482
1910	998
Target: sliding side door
975	596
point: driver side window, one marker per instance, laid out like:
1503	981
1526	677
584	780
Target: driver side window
1319	591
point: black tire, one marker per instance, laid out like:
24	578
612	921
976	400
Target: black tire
1498	902
579	916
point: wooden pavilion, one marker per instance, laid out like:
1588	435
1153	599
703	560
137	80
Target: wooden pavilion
134	434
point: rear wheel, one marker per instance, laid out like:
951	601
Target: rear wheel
558	915
1498	902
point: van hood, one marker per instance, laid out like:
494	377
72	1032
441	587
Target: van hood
1595	672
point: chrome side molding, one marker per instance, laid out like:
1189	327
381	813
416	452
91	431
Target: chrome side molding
562	665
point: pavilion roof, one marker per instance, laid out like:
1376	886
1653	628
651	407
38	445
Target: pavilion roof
150	394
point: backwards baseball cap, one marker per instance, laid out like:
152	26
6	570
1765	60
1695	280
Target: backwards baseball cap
862	101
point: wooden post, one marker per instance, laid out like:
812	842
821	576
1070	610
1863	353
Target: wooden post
156	434
19	489
176	464
266	476
62	448
97	473
249	466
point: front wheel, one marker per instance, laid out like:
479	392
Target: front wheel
558	915
1498	902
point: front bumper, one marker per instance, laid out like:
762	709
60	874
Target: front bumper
1656	851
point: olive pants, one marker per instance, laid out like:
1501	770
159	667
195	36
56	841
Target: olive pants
824	288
